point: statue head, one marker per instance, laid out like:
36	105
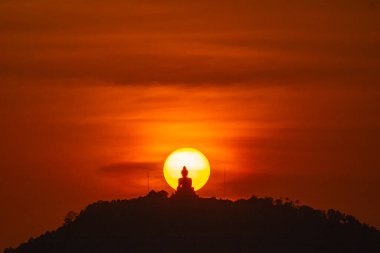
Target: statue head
184	171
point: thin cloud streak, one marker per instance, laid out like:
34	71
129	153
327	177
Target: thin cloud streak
121	169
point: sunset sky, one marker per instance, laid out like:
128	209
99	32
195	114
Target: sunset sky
283	95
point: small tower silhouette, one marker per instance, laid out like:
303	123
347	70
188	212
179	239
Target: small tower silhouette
185	189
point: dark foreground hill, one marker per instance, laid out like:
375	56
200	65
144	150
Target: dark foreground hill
156	223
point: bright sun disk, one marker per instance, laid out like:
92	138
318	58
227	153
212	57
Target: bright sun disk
195	162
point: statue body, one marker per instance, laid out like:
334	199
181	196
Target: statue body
184	183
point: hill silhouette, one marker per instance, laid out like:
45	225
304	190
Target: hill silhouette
158	223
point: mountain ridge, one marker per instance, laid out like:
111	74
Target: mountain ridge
158	223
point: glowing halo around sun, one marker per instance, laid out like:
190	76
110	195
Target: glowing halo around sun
195	162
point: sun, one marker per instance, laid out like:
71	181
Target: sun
195	162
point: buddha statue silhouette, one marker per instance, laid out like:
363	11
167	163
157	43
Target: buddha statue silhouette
185	188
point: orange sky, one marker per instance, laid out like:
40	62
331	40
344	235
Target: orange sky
283	94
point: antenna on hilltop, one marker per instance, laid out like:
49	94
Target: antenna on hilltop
224	181
147	176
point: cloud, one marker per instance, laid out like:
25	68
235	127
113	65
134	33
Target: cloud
129	168
210	42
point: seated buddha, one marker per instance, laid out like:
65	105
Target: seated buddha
185	184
